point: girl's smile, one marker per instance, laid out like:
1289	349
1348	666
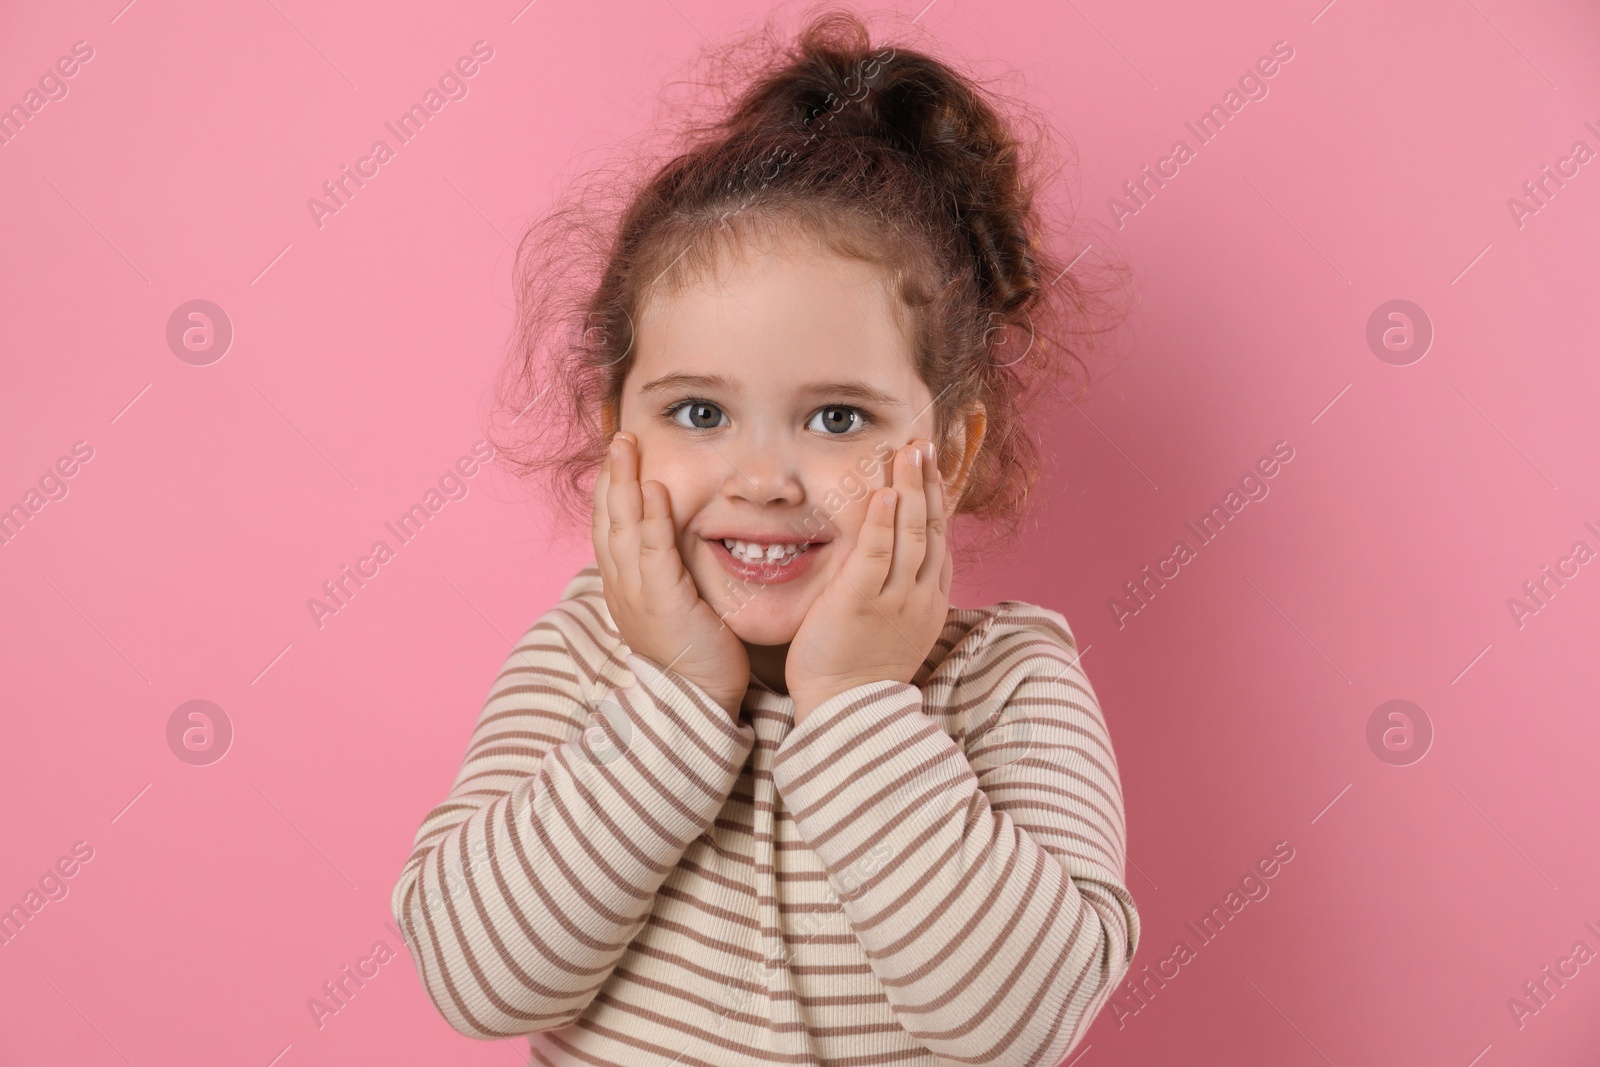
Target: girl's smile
753	558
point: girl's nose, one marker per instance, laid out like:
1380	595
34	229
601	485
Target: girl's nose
761	475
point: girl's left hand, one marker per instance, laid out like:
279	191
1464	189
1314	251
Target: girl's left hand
880	615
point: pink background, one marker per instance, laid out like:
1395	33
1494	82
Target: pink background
1420	498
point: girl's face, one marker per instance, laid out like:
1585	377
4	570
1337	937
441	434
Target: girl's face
769	404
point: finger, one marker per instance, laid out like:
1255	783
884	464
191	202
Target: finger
911	519
933	559
867	566
626	510
601	524
660	567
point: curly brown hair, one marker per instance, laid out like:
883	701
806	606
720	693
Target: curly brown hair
885	153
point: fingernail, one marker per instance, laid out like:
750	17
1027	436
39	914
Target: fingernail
887	497
929	447
916	457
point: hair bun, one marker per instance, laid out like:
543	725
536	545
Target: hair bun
936	121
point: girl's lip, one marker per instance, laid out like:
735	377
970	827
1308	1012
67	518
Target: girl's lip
766	539
764	573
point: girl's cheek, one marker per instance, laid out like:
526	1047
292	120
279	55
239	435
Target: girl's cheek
849	518
853	488
690	484
842	493
657	463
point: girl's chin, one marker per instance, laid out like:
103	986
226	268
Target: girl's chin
761	631
761	620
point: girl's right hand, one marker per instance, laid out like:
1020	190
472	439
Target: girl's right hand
650	594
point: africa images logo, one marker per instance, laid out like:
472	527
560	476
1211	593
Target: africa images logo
452	85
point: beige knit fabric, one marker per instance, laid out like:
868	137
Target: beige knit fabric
917	874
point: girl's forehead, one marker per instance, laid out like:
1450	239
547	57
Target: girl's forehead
789	307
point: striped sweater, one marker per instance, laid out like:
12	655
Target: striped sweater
917	874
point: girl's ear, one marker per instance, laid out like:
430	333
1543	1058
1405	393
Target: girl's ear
960	449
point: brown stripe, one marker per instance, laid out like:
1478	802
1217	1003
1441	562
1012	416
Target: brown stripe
839	717
529	982
915	884
715	713
464	955
744	1050
626	699
845	820
1005	985
999	948
885	719
458	928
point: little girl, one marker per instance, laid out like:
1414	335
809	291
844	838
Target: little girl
754	791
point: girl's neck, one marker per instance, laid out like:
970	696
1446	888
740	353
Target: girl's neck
767	663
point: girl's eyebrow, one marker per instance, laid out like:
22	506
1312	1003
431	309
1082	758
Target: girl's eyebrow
679	380
846	390
854	391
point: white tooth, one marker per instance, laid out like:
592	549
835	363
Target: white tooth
751	552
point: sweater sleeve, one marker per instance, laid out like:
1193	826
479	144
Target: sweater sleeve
984	878
528	882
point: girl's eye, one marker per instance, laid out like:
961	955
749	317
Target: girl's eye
697	415
837	420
